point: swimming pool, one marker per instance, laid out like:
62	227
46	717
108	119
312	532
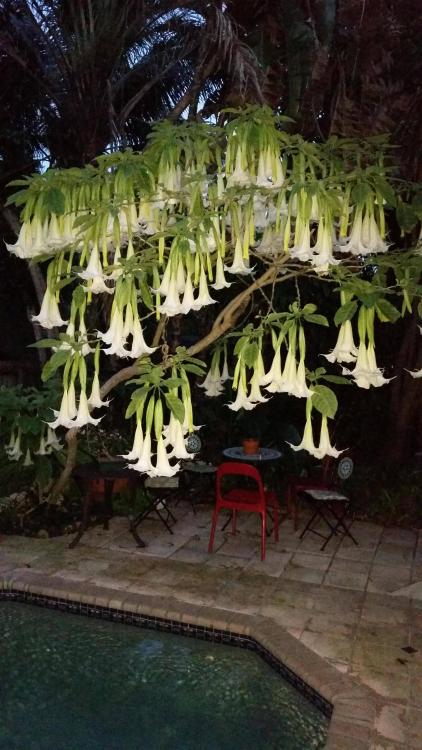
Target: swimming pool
74	683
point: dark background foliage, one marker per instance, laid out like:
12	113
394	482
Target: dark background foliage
80	77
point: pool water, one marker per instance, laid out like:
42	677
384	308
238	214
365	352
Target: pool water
74	683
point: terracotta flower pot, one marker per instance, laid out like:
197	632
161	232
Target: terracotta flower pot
250	446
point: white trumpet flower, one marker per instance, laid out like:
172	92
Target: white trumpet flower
54	233
300	389
180	278
171	305
415	373
188	301
162	467
95	275
144	462
64	416
39	234
49	315
52	441
94	401
325	448
139	347
114	335
345	349
71	401
239	176
204	298
371	237
22	248
43	449
302	249
163	289
275	373
238	264
138	442
220	280
322	257
83	416
179	447
14	452
241	401
28	460
366	373
255	395
307	443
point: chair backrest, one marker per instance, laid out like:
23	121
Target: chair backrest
238	468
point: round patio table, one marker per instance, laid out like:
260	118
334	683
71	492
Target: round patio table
265	454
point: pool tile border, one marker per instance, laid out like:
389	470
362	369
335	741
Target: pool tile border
352	707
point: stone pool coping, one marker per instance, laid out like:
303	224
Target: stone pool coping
354	706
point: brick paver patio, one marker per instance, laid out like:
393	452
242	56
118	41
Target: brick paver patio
341	603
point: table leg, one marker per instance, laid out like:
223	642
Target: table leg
84	522
108	502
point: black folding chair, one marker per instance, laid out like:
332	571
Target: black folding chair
160	490
330	506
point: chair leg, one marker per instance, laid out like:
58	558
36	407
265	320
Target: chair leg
234	521
276	520
213	527
295	510
263	534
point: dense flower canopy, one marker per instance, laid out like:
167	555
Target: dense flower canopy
166	232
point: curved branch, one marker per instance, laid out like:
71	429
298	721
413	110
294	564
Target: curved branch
224	321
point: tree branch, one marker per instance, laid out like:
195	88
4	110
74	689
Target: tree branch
224	321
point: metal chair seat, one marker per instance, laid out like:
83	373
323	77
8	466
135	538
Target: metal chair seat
331	507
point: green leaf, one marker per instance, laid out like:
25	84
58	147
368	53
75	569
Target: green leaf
360	193
54	200
385	190
339	379
406	217
324	400
44	344
173	383
250	353
319	320
387	313
78	296
131	409
57	360
176	406
146	295
345	312
194	369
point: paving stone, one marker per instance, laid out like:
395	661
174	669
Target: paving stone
273	565
393	554
390	723
310	560
388	578
346	580
396	535
298	573
414	719
329	645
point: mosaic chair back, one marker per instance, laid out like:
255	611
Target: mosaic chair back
240	498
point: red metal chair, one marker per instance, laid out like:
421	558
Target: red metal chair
252	500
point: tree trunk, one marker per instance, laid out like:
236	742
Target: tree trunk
406	398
